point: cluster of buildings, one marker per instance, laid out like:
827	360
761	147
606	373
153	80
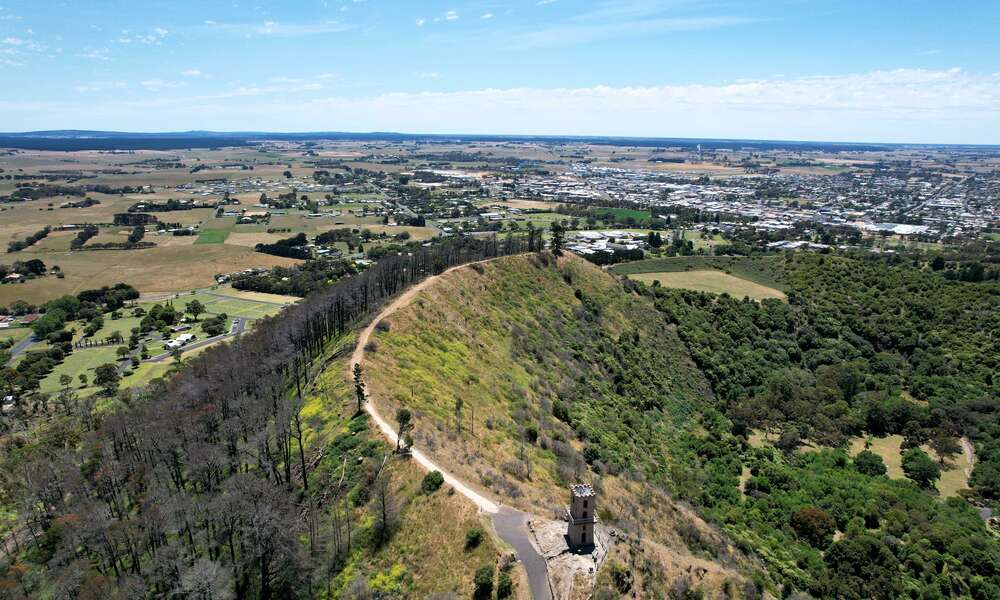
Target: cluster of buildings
902	202
591	242
255	185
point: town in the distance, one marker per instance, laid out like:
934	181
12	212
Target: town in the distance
419	366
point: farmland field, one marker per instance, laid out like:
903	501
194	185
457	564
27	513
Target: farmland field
160	269
212	236
715	282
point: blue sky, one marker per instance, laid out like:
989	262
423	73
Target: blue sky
904	71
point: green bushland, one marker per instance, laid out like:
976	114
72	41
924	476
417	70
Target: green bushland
862	346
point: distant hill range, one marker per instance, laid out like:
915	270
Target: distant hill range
76	139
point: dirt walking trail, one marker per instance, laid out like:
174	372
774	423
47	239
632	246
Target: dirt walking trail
510	524
970	456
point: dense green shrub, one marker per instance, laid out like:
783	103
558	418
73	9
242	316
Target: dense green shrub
432	482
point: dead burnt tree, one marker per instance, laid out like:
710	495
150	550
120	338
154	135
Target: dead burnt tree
205	468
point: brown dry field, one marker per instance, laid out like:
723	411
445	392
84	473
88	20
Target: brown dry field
524	204
416	233
160	269
252	239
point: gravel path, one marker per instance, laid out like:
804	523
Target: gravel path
509	523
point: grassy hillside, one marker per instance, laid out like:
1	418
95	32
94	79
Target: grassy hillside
555	367
416	560
561	376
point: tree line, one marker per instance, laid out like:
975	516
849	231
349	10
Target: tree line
209	474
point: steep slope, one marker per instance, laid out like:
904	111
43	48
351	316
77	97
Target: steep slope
526	374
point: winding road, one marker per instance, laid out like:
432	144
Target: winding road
510	524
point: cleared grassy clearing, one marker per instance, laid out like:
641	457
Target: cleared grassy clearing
953	477
953	473
416	233
758	269
251	239
714	282
256	296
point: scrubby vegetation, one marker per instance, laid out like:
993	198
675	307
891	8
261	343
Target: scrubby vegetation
862	346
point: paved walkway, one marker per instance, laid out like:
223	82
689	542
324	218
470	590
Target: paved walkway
510	524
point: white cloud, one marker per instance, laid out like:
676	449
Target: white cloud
584	31
100	54
487	16
451	15
195	73
160	84
902	105
153	37
100	86
420	22
278	29
428	75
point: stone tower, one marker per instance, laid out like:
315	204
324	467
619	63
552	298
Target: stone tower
582	516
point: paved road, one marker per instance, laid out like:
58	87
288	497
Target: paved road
21	346
510	524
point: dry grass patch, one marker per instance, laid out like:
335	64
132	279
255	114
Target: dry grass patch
160	269
953	472
252	239
714	282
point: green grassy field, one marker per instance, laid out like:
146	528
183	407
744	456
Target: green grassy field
695	237
82	360
714	282
234	307
758	269
640	216
15	333
212	236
